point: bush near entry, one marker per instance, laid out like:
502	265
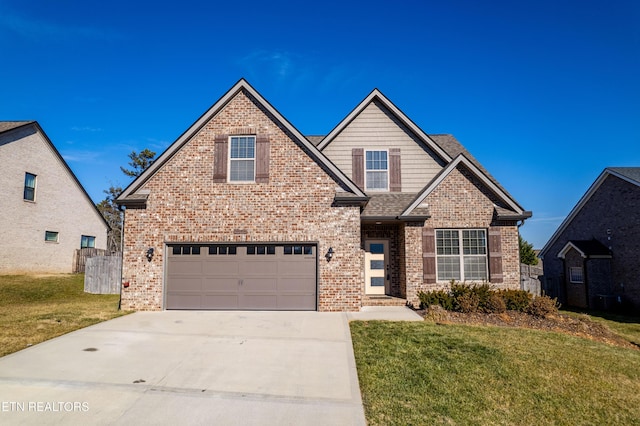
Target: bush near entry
471	298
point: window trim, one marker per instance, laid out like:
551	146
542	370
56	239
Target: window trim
35	185
571	276
387	170
461	255
230	160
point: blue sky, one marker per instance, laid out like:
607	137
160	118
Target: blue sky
546	94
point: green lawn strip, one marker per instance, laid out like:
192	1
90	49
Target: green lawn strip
34	309
423	373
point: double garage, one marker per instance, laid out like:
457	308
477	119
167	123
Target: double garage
243	277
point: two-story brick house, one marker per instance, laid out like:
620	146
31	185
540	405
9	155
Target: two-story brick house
592	260
245	212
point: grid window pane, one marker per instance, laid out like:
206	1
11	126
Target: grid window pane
241	170
474	241
475	268
377	170
461	254
448	268
377	180
447	242
242	163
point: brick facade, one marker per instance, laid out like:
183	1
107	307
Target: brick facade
188	200
610	216
461	201
185	205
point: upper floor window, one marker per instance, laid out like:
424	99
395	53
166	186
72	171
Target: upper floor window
376	170
461	254
242	159
87	242
29	187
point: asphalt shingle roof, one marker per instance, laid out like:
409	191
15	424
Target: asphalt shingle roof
10	125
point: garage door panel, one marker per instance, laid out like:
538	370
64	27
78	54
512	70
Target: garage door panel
214	265
269	279
184	301
189	266
259	268
220	301
293	285
265	284
301	267
259	301
187	284
297	302
224	285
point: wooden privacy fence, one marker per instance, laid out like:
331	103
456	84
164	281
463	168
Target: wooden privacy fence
531	277
81	255
103	275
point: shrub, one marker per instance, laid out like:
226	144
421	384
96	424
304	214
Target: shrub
542	306
495	304
468	302
516	300
438	297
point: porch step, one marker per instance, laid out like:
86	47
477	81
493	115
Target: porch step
383	300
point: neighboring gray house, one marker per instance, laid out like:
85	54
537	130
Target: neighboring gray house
593	259
46	213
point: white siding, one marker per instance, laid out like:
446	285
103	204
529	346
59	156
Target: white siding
60	206
376	128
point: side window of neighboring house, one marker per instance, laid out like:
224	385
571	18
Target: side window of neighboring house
461	254
51	236
242	158
29	187
376	170
575	275
87	242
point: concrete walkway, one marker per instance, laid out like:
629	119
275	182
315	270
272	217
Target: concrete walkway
177	367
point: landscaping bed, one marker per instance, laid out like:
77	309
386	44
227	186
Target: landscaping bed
576	325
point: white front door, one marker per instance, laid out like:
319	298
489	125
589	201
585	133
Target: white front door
376	266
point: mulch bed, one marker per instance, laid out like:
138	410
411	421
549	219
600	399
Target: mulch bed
581	326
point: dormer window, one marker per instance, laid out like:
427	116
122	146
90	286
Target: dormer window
376	170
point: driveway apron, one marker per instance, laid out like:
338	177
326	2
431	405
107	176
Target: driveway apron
186	367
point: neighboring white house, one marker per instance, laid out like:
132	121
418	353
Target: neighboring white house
46	213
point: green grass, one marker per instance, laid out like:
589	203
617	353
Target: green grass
34	309
423	373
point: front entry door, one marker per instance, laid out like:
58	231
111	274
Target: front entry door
376	266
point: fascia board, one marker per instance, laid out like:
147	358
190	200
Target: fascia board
573	213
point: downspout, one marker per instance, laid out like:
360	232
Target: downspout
120	208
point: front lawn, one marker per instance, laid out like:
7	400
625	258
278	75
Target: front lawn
425	373
34	309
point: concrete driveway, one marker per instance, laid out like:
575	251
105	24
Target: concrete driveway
177	367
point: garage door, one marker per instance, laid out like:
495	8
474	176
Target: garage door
252	277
